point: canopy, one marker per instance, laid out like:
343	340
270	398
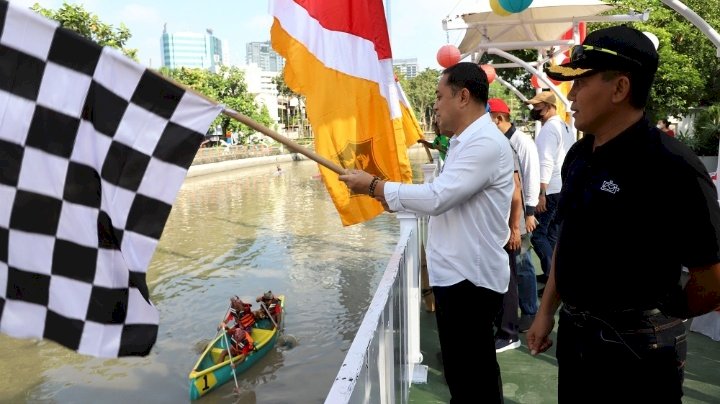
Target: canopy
544	20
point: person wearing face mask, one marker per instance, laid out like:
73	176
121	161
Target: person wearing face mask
553	142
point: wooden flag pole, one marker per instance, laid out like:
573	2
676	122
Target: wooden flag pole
284	140
260	128
427	150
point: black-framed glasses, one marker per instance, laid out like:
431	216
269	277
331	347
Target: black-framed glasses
579	52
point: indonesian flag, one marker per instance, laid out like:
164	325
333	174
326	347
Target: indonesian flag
338	56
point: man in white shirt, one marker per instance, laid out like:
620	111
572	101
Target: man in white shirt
553	142
469	208
521	266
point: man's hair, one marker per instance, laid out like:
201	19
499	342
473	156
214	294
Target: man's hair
471	76
640	86
666	122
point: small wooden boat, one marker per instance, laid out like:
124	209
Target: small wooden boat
207	374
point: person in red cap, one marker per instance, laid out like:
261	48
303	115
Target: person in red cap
618	270
523	292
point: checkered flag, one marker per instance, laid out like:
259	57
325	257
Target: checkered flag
93	150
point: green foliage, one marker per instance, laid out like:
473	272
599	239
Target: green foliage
227	87
420	90
87	24
689	71
704	141
517	76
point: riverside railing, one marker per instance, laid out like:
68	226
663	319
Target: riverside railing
384	357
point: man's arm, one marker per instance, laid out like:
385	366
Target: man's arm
538	335
516	211
547	142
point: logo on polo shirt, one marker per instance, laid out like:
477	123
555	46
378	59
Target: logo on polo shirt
609	186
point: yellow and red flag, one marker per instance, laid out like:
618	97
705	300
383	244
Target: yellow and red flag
338	56
561	58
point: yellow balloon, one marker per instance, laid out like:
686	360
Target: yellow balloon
498	9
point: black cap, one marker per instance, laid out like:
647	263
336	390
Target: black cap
615	48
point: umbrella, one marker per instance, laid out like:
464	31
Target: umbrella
526	26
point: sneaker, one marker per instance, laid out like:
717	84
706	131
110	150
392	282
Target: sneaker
502	345
526	321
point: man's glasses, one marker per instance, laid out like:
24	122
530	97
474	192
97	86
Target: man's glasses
580	52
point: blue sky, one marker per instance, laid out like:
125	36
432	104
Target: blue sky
416	25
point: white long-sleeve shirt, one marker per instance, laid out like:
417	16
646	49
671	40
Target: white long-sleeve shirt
469	205
529	166
553	142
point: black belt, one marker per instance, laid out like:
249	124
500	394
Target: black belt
611	313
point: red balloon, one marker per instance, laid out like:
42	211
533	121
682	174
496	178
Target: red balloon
535	82
490	72
448	55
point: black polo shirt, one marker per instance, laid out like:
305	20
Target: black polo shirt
632	213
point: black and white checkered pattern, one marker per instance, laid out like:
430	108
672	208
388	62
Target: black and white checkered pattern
93	150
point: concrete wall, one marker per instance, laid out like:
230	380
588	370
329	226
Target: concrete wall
212	168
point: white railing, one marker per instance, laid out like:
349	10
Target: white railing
384	358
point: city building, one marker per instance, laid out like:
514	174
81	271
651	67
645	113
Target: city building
408	67
264	56
261	86
193	50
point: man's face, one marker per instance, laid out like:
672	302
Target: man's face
446	106
592	101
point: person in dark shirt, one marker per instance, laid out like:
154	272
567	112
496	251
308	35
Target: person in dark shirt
618	263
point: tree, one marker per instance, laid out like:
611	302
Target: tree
292	116
227	87
420	90
76	18
689	69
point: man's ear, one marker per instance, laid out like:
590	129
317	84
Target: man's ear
622	89
464	96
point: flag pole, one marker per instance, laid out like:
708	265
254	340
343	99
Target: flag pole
284	140
242	118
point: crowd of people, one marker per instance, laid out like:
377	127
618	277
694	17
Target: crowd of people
607	264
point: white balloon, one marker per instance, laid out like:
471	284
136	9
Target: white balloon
654	39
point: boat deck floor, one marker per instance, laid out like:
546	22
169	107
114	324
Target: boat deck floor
528	379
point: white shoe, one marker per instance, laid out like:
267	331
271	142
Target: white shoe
502	345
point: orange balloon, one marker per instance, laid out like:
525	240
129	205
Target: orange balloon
448	55
489	72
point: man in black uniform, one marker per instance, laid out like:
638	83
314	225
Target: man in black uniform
618	262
